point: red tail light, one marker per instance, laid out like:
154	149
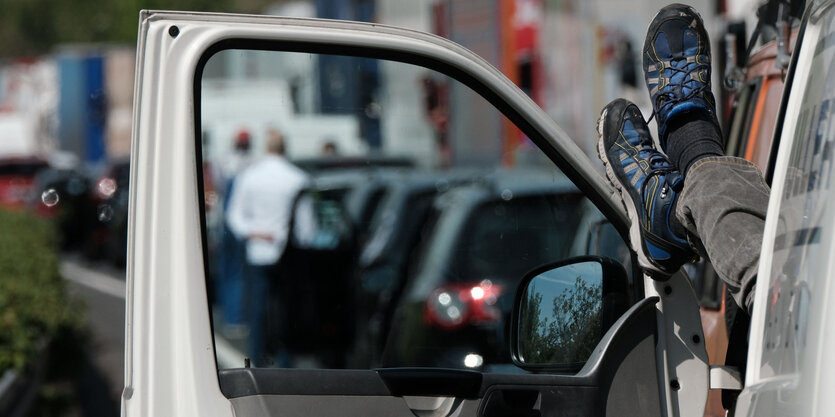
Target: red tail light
451	306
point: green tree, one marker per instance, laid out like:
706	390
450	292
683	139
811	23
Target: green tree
34	27
572	330
529	328
577	327
34	305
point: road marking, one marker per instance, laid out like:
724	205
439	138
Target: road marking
91	278
227	355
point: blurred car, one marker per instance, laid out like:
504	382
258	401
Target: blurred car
109	196
63	194
392	235
342	201
337	162
359	190
479	240
330	218
17	177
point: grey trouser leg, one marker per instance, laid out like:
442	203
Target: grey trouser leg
723	206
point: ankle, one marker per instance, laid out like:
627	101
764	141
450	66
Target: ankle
691	140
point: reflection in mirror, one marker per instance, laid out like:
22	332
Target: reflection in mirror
560	316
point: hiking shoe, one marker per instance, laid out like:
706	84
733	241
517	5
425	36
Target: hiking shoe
676	60
648	185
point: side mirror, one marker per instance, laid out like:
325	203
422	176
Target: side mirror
562	310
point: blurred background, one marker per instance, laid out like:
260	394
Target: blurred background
66	93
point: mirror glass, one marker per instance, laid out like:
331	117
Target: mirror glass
560	318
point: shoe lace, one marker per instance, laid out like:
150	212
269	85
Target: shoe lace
658	165
674	91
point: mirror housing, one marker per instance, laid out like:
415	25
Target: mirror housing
562	310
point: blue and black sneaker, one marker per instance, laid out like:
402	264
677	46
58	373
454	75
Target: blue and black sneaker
648	184
676	61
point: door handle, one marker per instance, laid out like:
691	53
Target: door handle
432	406
512	403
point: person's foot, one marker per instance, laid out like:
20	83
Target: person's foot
676	61
648	185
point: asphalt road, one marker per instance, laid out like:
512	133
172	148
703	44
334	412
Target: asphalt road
102	288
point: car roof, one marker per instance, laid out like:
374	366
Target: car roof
344	162
351	177
506	184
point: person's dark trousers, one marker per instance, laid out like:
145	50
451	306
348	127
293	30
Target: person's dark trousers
266	306
257	293
723	207
229	287
230	280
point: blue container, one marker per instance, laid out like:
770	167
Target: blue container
82	108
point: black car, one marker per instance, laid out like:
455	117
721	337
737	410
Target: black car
325	164
315	276
63	195
479	241
109	196
391	238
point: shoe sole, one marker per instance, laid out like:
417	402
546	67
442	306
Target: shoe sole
635	238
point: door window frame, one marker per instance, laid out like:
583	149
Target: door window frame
388	54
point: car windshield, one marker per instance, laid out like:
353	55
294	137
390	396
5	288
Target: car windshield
399	216
503	240
465	240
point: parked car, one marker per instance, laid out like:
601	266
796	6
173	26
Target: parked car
360	190
392	238
312	296
109	196
480	241
63	194
328	304
341	162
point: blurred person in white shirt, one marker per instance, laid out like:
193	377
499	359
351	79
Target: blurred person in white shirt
229	280
259	212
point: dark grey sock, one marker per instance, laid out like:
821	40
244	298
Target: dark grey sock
692	139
